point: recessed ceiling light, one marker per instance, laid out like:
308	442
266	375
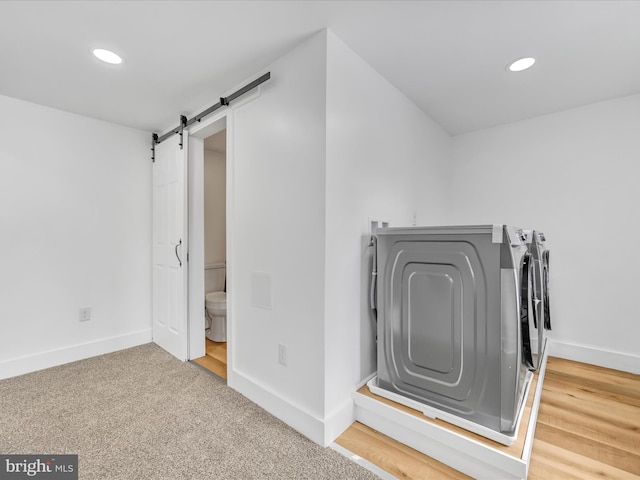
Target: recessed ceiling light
107	56
521	64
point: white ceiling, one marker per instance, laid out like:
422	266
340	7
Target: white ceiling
449	57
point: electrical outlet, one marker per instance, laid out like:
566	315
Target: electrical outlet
282	354
85	314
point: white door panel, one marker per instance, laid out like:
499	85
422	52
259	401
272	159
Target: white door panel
170	247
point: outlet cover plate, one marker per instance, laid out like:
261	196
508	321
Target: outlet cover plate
282	354
84	314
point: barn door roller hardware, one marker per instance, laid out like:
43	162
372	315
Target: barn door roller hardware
154	142
185	122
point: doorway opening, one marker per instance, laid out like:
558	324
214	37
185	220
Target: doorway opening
215	253
210	246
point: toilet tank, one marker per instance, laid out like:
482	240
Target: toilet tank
214	277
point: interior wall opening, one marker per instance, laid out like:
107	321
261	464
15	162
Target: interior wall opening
215	256
215	260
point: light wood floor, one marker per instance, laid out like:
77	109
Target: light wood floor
588	424
588	427
215	359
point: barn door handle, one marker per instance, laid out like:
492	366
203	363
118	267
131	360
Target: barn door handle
179	244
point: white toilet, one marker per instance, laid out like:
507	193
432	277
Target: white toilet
215	302
216	309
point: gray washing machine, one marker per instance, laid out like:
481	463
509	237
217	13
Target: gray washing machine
453	307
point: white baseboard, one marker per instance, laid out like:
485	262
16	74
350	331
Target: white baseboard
339	420
322	432
625	362
39	361
293	415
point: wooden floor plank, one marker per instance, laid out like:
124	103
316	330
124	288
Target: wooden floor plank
606	376
589	424
394	457
622	387
591	398
603	452
217	350
213	365
215	359
551	462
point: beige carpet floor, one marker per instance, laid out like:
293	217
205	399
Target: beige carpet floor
141	414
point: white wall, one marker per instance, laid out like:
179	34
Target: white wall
277	143
574	176
75	208
385	159
313	157
214	207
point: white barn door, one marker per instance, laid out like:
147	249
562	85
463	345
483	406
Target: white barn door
170	247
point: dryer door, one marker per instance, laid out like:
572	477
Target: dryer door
545	289
537	307
527	312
